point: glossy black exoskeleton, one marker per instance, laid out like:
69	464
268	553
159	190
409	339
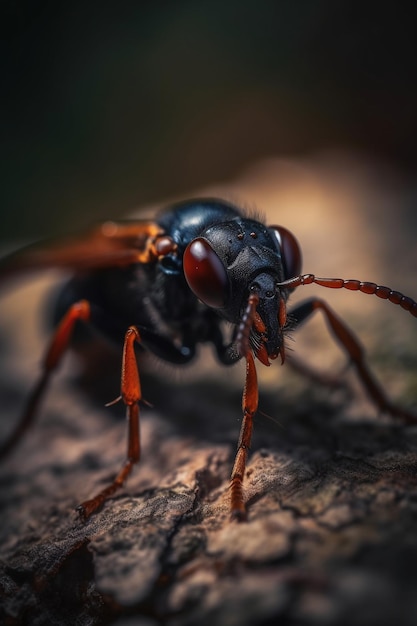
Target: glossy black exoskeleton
169	284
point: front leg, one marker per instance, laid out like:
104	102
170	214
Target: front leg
356	353
249	407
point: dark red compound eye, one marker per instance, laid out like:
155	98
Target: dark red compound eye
205	273
290	251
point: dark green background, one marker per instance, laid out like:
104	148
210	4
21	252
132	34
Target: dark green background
105	108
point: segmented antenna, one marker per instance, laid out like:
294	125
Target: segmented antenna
406	303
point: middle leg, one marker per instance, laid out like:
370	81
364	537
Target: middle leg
131	395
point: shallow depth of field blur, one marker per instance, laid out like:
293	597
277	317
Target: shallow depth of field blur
105	111
303	111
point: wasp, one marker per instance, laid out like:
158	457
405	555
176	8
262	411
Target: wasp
169	284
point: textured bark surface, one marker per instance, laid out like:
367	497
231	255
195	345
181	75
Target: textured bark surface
331	536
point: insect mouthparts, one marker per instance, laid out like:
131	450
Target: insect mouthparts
169	284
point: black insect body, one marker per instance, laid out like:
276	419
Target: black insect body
168	284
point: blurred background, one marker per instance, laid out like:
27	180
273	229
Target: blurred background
112	107
306	111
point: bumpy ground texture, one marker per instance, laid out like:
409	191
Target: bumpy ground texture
331	488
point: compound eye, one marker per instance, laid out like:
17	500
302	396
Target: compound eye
205	273
290	251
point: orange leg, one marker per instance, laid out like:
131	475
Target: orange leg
59	344
249	406
357	355
355	351
131	395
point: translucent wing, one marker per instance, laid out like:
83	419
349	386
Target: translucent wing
110	244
